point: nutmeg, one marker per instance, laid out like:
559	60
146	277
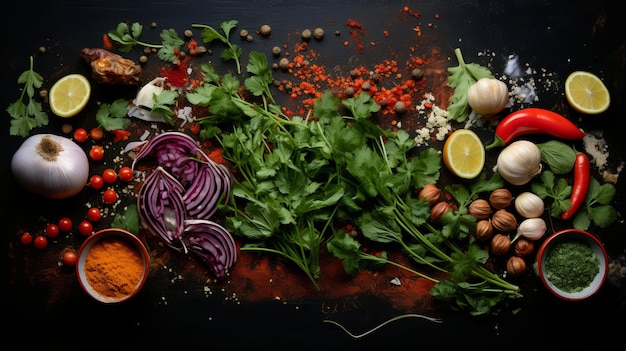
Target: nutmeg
500	244
500	198
483	231
437	211
480	209
431	193
516	266
504	221
524	247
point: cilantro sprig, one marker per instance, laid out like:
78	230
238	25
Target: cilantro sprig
113	116
127	37
29	115
232	51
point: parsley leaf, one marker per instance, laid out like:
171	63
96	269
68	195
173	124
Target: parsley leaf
232	51
597	207
556	189
113	116
27	116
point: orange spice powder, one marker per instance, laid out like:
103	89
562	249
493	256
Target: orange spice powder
113	267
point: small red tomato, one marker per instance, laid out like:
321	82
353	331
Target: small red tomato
125	174
80	135
109	196
85	227
65	224
96	153
26	238
94	214
109	176
52	230
97	133
70	258
40	242
96	182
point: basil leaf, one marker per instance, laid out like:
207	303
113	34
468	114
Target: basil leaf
558	156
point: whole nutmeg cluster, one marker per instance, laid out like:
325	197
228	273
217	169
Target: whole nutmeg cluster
496	223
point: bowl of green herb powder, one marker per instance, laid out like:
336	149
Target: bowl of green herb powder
572	264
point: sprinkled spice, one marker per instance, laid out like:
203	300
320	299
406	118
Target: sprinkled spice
571	265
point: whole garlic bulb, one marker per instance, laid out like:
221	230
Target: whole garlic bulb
529	205
488	96
519	162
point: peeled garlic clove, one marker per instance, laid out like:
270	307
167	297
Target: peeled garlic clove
519	162
529	205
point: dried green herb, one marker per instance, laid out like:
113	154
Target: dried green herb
571	265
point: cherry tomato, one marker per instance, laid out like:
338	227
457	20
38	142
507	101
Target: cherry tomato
125	174
52	230
70	258
109	176
96	153
109	196
97	133
40	242
94	214
85	227
80	135
65	224
26	238
96	182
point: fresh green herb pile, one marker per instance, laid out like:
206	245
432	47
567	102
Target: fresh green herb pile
302	179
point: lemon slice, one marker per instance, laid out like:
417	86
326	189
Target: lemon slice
69	95
464	154
586	93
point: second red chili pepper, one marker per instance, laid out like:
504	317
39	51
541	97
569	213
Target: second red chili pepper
534	120
582	177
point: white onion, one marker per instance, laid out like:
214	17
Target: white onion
50	165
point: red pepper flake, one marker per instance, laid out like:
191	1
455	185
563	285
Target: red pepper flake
106	42
120	135
177	74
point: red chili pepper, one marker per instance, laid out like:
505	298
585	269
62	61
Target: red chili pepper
581	184
534	120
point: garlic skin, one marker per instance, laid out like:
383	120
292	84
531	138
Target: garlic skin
531	229
519	162
50	165
488	96
529	205
144	101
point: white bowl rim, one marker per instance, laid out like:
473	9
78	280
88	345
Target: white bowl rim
597	247
95	238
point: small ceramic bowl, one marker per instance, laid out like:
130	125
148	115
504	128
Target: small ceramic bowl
113	265
567	235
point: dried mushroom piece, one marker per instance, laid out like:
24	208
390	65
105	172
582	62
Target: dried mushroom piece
110	68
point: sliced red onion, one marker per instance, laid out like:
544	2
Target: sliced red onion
212	243
161	207
210	182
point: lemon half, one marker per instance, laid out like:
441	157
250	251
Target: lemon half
69	95
464	154
586	93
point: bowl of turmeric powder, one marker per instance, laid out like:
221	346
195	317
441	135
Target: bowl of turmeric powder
112	266
572	264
